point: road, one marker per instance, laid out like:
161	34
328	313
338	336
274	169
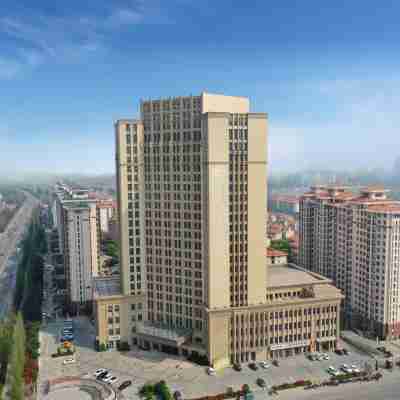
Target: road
9	240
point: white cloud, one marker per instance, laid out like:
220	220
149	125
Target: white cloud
41	38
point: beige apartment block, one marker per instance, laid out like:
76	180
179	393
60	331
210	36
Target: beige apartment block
78	227
354	239
192	195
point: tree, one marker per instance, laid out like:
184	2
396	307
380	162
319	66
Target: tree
112	249
282	245
18	360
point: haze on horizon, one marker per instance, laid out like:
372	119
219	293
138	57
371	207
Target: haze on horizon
327	75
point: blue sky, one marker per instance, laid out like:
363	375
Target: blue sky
327	74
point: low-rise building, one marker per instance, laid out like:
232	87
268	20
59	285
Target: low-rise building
276	257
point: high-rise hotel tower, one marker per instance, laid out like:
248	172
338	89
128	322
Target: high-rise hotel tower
191	180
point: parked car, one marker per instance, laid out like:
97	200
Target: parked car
69	361
237	367
112	380
105	377
345	368
211	371
325	356
102	375
312	356
124	385
332	371
178	395
355	369
264	364
99	371
261	382
276	363
389	364
253	366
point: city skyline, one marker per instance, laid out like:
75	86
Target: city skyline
326	75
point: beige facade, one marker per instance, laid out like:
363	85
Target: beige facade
191	180
354	239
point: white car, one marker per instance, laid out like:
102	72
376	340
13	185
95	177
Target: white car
346	368
69	361
264	364
355	369
211	371
325	356
99	371
333	371
108	379
320	357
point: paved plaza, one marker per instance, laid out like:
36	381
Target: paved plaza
143	366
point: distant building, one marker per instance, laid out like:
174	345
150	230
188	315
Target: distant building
106	210
275	232
113	229
354	239
284	204
276	257
78	228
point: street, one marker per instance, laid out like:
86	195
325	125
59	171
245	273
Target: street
8	251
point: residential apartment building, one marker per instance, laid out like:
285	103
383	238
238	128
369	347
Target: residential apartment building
106	210
191	182
354	239
79	230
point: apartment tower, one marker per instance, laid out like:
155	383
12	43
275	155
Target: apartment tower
79	235
354	239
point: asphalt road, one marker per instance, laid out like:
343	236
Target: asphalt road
9	240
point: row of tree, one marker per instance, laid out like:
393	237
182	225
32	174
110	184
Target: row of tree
19	335
29	283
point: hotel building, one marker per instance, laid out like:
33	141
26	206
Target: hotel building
191	182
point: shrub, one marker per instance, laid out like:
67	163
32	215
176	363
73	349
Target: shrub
147	390
246	388
163	391
102	347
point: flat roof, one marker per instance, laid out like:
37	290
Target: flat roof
107	286
291	275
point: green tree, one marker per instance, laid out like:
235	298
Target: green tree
282	245
112	249
18	360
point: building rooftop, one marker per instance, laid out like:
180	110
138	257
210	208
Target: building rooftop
389	208
291	275
106	286
275	253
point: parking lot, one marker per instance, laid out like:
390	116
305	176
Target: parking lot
143	366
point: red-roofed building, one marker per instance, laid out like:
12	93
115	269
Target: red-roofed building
276	256
354	239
